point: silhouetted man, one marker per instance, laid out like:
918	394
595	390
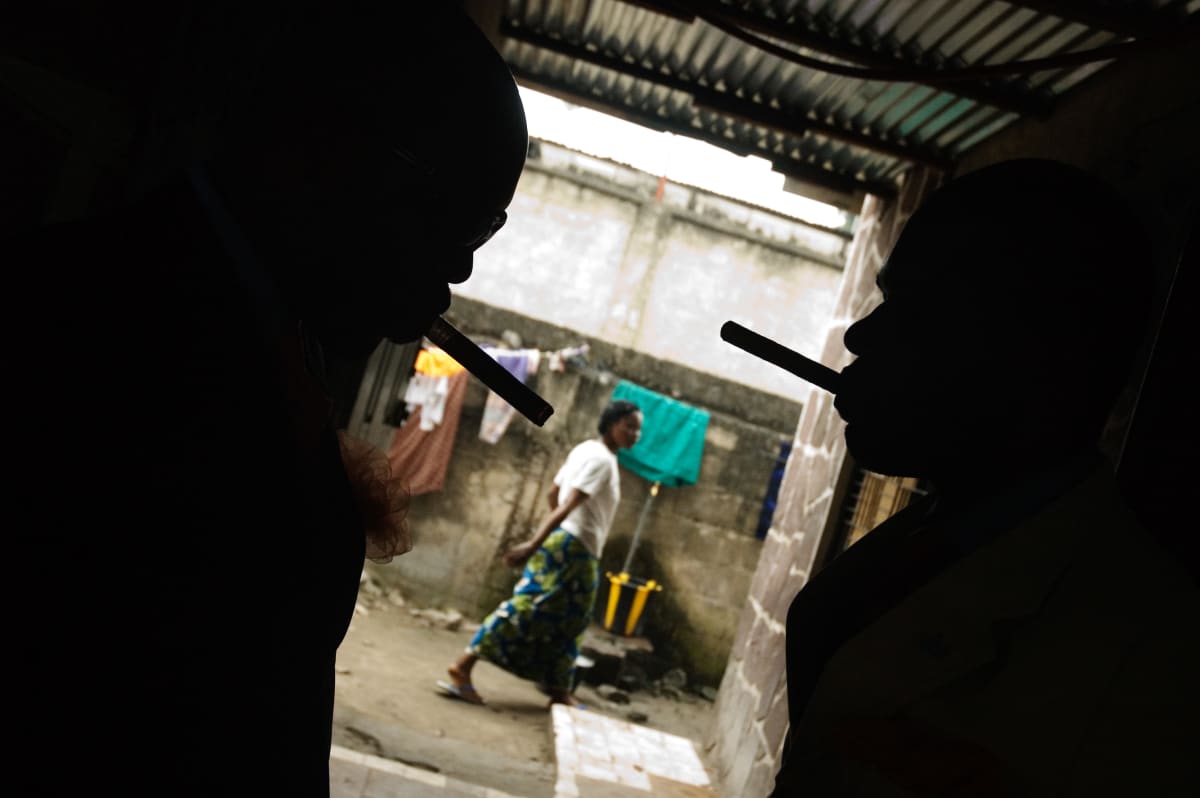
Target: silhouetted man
190	540
1016	632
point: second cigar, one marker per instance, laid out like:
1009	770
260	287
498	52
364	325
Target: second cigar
760	346
489	372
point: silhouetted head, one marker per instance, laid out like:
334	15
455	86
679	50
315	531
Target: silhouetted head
1014	303
373	149
620	424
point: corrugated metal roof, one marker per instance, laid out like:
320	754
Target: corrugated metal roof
696	68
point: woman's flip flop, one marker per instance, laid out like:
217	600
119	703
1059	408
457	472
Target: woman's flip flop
466	692
580	705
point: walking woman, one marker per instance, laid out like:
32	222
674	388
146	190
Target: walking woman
536	633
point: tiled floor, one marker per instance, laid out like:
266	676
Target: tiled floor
602	756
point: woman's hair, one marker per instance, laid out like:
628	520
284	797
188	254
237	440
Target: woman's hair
615	411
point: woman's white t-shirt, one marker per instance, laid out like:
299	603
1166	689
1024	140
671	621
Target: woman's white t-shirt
592	469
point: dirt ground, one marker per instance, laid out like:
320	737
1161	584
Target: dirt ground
387	704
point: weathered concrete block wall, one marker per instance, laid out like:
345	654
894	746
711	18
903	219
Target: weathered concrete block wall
698	540
752	720
617	254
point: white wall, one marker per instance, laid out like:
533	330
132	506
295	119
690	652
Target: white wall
589	247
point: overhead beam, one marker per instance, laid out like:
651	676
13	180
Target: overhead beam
839	183
679	12
1005	96
1129	20
724	102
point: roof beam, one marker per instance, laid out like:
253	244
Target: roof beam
724	102
1129	20
838	183
679	12
1005	96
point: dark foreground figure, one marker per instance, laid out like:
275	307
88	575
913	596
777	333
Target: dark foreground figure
1017	632
190	537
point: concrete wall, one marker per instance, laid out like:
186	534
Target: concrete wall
698	540
610	252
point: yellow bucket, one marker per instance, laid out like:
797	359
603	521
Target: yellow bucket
627	596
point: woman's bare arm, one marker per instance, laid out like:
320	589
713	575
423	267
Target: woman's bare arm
521	552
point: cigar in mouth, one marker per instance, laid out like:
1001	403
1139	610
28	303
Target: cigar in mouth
779	355
489	372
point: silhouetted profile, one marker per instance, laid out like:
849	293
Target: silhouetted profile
1016	632
190	539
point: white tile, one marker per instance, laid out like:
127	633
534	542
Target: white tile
566	788
633	778
598	772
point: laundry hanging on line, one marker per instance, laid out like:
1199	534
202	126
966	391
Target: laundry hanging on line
429	386
497	413
420	453
672	442
560	357
421	448
522	364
